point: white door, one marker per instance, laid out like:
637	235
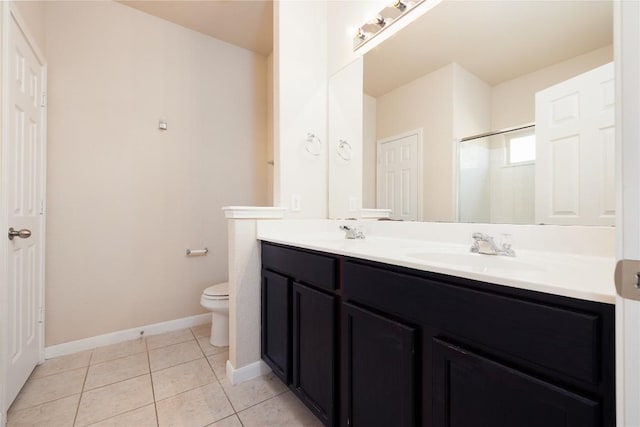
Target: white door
627	64
23	182
398	176
575	151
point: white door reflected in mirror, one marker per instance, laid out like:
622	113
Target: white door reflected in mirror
399	177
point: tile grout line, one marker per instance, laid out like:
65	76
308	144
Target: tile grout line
43	403
31	378
86	375
92	358
153	390
222	387
191	389
119	357
265	400
117	382
219	383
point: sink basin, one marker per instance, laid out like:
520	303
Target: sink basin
476	262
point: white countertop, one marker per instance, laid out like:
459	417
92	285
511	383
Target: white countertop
577	276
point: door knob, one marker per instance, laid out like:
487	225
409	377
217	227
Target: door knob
23	234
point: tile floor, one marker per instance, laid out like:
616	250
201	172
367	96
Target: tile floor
173	379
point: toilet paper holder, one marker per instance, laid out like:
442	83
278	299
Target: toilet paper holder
197	251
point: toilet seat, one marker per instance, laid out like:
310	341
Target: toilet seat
217	292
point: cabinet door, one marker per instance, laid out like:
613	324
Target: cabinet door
276	318
314	358
379	369
470	390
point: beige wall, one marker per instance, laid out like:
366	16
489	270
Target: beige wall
471	116
471	104
426	103
369	149
345	124
300	94
124	199
32	12
513	101
270	156
448	103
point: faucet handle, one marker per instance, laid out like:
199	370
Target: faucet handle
506	241
479	236
353	232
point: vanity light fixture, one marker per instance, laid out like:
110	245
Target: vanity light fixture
383	19
361	35
400	5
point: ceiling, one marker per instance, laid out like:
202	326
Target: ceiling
495	40
244	23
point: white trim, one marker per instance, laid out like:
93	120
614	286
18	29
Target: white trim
374	213
456	180
418	132
126	335
254	212
247	372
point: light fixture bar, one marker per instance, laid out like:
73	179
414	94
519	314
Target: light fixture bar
385	17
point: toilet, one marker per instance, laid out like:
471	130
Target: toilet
216	299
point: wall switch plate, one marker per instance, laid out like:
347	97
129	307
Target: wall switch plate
295	203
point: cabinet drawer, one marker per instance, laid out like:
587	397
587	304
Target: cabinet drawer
531	333
306	267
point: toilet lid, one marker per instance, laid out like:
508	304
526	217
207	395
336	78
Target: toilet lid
219	290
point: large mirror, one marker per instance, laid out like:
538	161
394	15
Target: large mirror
493	111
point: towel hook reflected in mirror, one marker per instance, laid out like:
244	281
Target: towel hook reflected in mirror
312	144
344	150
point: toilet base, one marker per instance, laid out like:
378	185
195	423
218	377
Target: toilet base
219	330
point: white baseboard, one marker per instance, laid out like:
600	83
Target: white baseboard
126	335
246	373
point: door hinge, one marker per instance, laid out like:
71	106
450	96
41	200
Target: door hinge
43	99
41	315
42	207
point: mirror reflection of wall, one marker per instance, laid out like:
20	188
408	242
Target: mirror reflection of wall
496	181
466	68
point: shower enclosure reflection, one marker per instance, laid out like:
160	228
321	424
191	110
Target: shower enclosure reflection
496	177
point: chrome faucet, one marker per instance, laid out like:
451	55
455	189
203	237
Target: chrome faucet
352	232
484	244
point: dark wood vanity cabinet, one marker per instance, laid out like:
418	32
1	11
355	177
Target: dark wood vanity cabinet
300	286
314	350
472	390
276	323
380	345
379	370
